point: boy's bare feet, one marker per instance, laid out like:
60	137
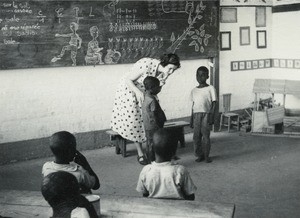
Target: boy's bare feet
208	160
199	159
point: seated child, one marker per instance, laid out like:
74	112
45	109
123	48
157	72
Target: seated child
63	146
153	116
61	191
162	178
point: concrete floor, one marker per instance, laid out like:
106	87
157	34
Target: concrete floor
259	174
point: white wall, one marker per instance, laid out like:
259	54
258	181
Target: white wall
282	43
38	102
240	83
286	45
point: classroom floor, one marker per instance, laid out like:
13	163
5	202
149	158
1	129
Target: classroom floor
259	174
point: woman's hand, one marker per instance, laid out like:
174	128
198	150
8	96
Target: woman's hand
139	96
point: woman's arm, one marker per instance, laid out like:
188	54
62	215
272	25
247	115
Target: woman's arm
133	76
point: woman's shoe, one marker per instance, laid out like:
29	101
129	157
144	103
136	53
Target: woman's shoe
142	160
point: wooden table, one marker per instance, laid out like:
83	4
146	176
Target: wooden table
15	203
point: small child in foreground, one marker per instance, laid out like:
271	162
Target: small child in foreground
203	99
162	178
153	116
61	191
63	146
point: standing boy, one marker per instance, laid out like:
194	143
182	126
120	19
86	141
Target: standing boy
153	116
163	178
63	146
203	98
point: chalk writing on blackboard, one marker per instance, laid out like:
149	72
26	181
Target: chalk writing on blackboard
74	44
36	33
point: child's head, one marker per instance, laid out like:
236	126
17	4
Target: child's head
164	144
63	145
202	74
152	85
74	26
58	187
94	31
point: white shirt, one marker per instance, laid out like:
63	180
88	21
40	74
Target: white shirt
165	180
82	176
202	98
80	212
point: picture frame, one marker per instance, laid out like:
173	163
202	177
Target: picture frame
261	38
268	63
249	65
275	63
228	15
282	63
290	63
225	41
245	35
297	64
260	17
234	66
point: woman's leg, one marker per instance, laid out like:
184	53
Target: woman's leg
141	158
139	148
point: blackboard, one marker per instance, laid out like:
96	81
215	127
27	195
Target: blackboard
57	33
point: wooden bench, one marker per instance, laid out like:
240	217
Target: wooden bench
177	129
16	203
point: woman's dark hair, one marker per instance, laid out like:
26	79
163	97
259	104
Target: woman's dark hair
170	58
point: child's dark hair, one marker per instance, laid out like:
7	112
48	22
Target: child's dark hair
171	58
59	186
201	70
61	142
151	82
164	143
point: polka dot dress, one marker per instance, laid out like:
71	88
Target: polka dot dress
127	115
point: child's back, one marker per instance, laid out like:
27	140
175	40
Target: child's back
162	178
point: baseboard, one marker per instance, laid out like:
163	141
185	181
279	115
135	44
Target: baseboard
38	148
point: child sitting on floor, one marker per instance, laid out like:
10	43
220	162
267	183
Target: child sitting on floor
63	146
61	191
153	116
162	178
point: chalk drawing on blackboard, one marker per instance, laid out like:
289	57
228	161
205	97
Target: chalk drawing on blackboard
74	44
76	9
59	13
41	16
112	56
94	54
177	7
110	8
192	19
200	39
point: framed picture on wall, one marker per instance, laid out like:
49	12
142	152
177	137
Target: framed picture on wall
228	15
290	63
260	17
261	37
275	63
225	41
245	35
297	63
234	65
248	65
268	62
